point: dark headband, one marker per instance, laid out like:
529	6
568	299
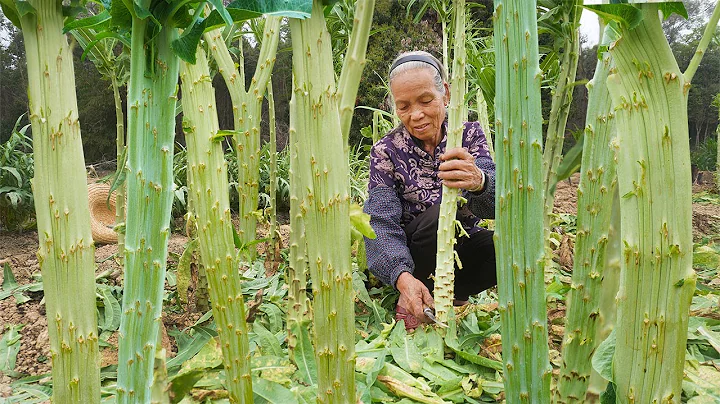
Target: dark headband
416	58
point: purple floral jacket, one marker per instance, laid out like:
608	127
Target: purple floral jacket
404	183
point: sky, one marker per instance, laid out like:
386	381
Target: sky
590	28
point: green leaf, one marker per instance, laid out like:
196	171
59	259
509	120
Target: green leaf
120	15
182	383
9	281
9	348
220	8
112	310
221	134
24	8
473	358
209	357
603	357
571	161
404	352
608	396
361	221
186	46
626	14
674	7
191	347
10	11
272	392
87	22
267	342
304	355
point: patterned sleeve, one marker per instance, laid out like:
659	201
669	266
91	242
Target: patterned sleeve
481	204
387	255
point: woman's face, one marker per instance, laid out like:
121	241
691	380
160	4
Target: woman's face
419	105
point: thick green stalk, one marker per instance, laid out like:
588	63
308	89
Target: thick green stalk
208	185
649	94
561	100
519	208
66	253
247	113
484	120
444	292
607	308
595	205
152	94
273	167
120	152
298	304
353	64
324	200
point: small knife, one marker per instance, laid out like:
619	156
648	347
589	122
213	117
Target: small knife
429	313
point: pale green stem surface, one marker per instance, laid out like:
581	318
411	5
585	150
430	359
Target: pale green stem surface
519	241
273	167
208	185
152	95
484	120
66	253
595	205
324	203
120	151
444	292
247	110
561	100
649	94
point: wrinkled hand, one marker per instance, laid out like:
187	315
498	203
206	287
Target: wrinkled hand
459	170
414	296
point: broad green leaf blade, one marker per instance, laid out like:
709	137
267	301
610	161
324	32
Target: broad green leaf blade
23	8
10	11
405	352
274	368
626	14
361	221
208	357
571	161
272	392
182	383
120	15
603	357
186	45
87	22
9	281
220	8
266	341
674	7
9	348
196	343
304	355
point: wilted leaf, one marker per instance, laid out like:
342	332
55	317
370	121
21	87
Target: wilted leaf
273	368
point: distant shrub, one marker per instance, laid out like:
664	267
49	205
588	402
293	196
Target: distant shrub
16	170
704	157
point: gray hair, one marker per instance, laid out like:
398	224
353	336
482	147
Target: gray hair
439	77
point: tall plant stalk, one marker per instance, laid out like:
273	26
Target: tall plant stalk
208	185
561	99
152	95
649	93
273	167
484	120
120	155
324	198
66	253
444	292
519	230
247	110
596	194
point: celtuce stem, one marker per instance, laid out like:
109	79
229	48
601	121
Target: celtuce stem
120	152
649	95
152	95
519	230
208	185
247	113
595	205
444	292
273	168
324	200
66	253
561	100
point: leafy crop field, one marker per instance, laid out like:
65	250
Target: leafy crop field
407	367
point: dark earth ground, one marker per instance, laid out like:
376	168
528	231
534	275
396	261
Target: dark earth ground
19	249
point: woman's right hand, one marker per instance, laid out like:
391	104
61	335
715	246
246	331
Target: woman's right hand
414	296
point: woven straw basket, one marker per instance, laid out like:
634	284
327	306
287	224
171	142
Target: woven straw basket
102	214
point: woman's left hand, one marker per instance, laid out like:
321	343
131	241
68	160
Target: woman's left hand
459	170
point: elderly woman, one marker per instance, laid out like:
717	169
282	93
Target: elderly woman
408	167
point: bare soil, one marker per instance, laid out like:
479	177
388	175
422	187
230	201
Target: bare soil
19	250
